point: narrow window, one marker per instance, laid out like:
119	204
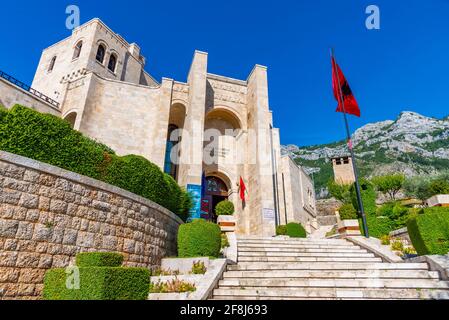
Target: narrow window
112	62
100	53
77	52
52	64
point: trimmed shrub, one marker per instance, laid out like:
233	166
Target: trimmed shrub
49	139
429	232
296	230
199	238
99	259
347	212
368	197
281	230
224	208
186	203
3	112
96	282
99	283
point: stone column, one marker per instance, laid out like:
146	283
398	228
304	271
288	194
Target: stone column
260	170
191	158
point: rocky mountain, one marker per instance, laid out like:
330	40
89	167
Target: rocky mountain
412	144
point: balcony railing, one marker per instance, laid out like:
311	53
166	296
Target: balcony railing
26	87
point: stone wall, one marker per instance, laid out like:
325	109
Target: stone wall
48	215
10	95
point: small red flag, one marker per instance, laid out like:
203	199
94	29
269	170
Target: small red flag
242	189
350	104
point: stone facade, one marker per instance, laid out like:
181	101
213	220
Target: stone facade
130	112
11	95
48	215
299	203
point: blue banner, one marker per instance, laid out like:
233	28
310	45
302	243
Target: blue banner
195	191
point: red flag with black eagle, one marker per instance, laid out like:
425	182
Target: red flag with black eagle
350	104
242	190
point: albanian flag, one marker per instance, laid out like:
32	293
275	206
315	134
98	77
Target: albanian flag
242	190
350	104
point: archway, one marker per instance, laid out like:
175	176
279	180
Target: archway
71	118
215	191
175	125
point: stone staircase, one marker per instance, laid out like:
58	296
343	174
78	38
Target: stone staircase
285	269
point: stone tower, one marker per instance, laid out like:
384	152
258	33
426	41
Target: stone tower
343	170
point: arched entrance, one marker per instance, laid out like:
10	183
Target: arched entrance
176	124
215	191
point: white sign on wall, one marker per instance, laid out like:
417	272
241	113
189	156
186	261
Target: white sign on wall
268	214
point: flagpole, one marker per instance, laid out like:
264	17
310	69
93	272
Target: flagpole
351	150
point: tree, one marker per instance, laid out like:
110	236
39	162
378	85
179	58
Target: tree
439	186
418	187
340	192
389	184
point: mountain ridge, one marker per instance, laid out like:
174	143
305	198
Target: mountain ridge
412	144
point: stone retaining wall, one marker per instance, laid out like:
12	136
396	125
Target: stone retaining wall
48	215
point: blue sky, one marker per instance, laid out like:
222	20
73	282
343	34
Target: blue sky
403	66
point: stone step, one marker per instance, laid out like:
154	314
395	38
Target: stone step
292	246
341	274
292	241
328	293
307	259
264	284
316	250
305	254
327	220
272	266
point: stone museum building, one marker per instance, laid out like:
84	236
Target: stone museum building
208	132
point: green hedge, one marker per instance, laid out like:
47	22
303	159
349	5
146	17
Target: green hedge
225	208
49	139
429	231
199	239
281	230
377	226
347	212
296	230
97	282
99	259
368	197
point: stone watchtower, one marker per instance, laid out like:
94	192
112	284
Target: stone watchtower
343	170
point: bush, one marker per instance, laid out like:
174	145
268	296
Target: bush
99	259
429	231
439	186
340	191
49	139
296	230
281	230
199	239
224	208
397	213
377	226
368	197
98	283
347	212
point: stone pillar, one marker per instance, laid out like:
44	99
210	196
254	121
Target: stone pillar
260	170
191	158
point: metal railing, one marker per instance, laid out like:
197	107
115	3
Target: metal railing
26	87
